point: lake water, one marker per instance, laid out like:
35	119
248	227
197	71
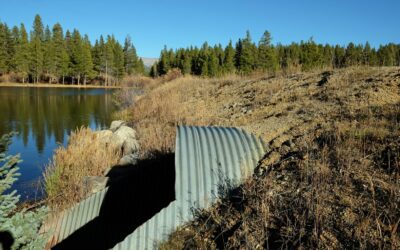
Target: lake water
43	118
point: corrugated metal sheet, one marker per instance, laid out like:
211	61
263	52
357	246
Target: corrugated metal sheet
205	158
208	157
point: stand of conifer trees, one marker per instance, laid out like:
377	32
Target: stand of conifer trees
50	55
247	57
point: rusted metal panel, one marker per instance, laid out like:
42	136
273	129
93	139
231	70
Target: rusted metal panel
205	159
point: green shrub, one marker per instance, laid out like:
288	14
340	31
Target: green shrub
22	225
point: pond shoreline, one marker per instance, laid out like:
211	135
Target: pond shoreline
47	85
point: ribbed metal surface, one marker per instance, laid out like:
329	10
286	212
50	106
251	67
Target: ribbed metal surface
205	159
73	219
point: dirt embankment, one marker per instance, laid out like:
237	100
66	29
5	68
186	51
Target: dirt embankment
330	178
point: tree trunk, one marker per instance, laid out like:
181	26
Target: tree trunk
84	81
79	80
106	74
63	79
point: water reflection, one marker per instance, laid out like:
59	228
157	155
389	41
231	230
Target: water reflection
44	117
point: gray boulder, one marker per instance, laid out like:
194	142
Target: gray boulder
125	139
115	125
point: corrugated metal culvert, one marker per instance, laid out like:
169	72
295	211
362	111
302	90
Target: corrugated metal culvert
147	203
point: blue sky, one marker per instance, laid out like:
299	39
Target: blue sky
178	23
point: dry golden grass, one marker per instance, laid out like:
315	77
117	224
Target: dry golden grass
330	177
85	155
156	115
337	190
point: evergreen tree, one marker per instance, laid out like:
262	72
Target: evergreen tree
118	63
37	38
3	49
351	57
140	69
99	59
311	57
367	54
267	59
23	226
212	64
61	59
13	41
77	60
164	64
229	58
131	60
153	71
246	55
49	59
339	56
87	62
22	55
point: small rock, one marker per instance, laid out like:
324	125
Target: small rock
130	159
115	125
130	146
94	184
272	158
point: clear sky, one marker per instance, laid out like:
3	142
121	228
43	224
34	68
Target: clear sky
178	23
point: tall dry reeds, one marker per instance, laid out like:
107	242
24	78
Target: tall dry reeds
85	155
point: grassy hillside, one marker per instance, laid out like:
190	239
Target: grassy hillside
330	178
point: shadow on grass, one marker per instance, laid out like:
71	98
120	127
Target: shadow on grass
135	194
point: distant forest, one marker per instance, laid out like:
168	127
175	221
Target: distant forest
50	55
246	57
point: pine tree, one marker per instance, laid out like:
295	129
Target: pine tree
163	65
140	69
22	55
246	55
77	63
3	49
49	59
350	57
87	61
61	59
108	59
220	54
212	64
153	71
98	51
23	226
229	58
131	60
13	41
339	57
203	60
311	56
267	59
366	59
118	63
37	38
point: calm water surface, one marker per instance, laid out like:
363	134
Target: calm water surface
43	118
